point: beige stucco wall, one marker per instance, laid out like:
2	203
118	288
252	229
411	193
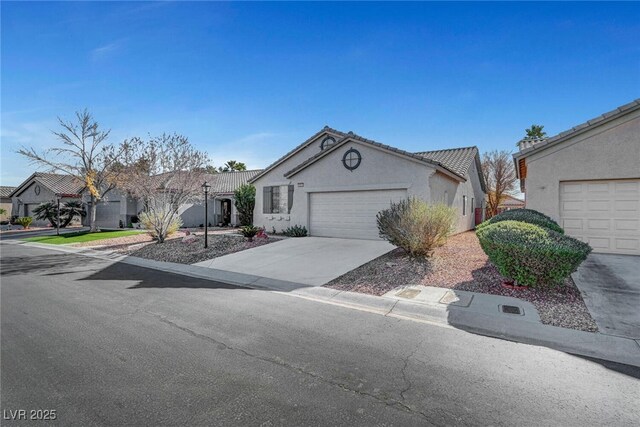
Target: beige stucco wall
450	191
610	151
379	170
5	203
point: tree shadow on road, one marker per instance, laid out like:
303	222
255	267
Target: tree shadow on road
150	278
11	266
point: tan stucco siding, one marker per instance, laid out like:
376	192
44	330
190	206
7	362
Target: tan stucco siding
378	170
444	189
610	151
7	206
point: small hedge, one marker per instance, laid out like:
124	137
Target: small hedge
531	255
524	215
295	231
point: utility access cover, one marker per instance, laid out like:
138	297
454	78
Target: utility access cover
408	293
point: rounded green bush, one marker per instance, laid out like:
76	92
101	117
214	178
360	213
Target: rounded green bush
525	215
531	255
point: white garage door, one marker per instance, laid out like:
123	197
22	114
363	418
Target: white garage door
605	214
349	214
108	214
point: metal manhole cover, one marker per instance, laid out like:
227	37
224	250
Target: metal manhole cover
511	309
408	293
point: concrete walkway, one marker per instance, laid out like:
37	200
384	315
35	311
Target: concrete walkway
311	261
610	286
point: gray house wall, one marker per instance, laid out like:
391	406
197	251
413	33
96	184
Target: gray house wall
609	151
29	197
442	185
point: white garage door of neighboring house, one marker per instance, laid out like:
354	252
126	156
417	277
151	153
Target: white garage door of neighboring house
107	214
605	214
349	214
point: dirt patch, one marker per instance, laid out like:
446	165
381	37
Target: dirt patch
462	264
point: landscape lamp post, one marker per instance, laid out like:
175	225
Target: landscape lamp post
206	188
58	214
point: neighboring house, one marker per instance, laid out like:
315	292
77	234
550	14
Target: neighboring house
221	203
335	183
45	187
588	179
509	202
5	201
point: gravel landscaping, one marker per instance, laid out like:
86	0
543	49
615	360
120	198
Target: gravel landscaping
175	250
461	264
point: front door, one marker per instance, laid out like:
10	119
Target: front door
226	212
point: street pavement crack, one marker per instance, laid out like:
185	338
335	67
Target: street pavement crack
393	403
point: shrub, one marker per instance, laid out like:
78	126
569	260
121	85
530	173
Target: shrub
531	255
160	224
525	215
24	221
245	196
415	226
249	231
295	231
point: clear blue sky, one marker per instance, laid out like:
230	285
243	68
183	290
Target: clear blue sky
249	81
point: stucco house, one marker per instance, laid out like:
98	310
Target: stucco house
5	201
117	208
43	187
588	179
509	202
221	203
335	183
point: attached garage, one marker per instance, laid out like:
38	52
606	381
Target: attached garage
107	214
605	214
588	179
349	214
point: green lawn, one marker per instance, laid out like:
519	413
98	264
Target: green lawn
79	237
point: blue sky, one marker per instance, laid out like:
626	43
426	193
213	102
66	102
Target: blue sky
249	81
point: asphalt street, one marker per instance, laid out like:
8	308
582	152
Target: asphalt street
105	343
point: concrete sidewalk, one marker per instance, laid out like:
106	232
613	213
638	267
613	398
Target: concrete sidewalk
483	318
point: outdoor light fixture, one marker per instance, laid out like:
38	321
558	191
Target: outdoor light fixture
205	188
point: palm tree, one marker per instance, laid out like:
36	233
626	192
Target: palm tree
48	211
536	131
71	210
232	166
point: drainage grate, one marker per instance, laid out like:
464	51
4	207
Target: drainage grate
511	309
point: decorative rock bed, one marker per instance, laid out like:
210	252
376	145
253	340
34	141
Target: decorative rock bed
461	264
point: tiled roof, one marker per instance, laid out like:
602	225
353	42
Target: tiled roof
353	136
562	136
457	160
58	183
5	191
296	149
61	183
227	182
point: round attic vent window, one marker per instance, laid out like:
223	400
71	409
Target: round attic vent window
351	159
327	142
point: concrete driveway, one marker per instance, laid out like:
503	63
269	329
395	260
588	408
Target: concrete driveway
311	261
610	285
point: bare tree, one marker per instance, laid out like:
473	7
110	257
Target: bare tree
500	177
85	155
164	172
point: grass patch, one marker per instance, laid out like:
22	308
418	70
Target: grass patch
80	237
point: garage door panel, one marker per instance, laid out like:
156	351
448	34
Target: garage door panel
605	214
349	214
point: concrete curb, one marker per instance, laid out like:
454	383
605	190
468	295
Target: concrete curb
594	345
